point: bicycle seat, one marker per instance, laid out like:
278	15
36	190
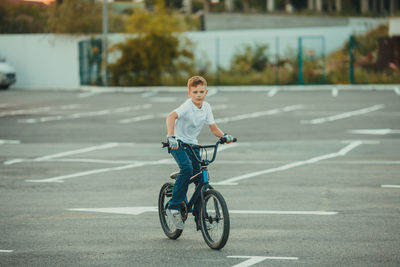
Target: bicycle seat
174	175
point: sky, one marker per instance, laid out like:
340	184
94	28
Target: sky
43	1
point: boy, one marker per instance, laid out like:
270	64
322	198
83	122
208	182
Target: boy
184	125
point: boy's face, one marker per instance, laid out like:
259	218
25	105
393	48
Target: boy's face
198	94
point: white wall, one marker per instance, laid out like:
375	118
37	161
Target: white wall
394	27
43	60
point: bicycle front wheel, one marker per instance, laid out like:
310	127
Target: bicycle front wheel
214	219
167	225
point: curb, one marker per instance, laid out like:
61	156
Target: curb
242	88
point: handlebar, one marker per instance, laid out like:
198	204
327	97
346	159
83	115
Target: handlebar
202	162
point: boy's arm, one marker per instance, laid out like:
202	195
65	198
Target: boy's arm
216	131
171	118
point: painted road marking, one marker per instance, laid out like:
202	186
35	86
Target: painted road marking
145	209
374	131
149	93
212	91
342	152
63	154
397	90
335	92
60	179
343	115
257	259
88	94
6	251
121	210
164	99
259	114
6	105
137	119
36	110
229	162
390	186
11	142
159	116
78	151
134	164
273	92
85	114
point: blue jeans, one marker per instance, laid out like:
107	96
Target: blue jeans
188	167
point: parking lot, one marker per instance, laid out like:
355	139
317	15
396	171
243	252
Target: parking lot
314	179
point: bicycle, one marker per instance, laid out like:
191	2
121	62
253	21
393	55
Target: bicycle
212	218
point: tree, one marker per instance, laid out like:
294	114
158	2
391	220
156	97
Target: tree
22	17
75	16
155	51
78	16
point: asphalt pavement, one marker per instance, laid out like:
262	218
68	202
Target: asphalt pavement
312	181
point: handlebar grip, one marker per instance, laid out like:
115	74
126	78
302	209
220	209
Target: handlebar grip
223	140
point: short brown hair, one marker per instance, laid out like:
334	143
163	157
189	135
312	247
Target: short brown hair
195	81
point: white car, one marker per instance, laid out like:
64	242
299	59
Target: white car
7	75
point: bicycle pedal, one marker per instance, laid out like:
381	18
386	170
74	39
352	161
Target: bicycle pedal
174	175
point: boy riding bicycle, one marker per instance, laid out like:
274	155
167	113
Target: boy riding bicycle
183	126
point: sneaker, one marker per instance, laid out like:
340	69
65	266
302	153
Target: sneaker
176	218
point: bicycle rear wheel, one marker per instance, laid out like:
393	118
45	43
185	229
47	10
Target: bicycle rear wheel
214	219
167	225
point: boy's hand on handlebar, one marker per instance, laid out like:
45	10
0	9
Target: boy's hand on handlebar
227	138
173	143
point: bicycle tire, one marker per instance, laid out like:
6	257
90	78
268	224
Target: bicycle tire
168	227
213	217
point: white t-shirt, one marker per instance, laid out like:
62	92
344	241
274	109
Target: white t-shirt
190	121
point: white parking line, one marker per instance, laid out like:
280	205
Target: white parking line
343	115
6	251
60	179
78	151
273	92
36	110
129	164
158	116
12	142
342	152
390	186
335	92
374	131
85	114
149	93
137	119
259	114
145	209
252	260
88	94
63	154
397	90
6	105
212	91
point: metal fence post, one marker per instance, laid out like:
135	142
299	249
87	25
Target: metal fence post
277	60
217	60
351	59
300	61
324	60
105	33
